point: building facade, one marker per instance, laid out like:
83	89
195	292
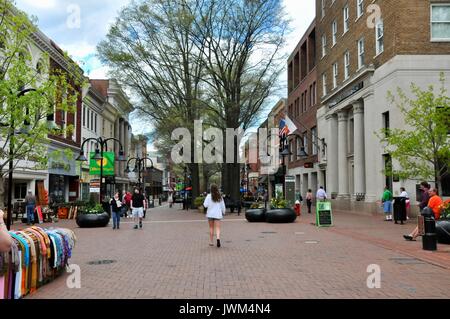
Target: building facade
302	106
361	59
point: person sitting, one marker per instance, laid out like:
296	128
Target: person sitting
435	204
5	238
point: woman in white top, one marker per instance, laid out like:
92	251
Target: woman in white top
215	206
408	202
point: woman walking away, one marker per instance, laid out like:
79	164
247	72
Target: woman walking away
116	208
309	199
387	204
215	206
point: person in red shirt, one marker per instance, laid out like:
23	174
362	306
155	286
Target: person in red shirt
435	204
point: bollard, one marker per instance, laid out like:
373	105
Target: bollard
429	239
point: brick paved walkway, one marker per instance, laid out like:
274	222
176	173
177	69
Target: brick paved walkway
170	258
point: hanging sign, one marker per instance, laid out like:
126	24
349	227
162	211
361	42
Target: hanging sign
108	164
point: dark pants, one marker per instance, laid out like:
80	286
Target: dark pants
116	219
309	204
30	214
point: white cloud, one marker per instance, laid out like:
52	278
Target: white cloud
42	4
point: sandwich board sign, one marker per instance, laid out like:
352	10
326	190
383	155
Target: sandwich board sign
324	214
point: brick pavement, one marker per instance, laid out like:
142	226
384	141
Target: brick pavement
170	258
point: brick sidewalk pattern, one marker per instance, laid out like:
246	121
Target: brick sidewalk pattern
171	258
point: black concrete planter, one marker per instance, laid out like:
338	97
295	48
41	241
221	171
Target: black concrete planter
257	215
93	220
443	231
281	216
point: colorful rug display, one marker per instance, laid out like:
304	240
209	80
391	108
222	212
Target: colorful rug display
37	257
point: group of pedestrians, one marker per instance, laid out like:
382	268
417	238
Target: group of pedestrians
387	200
135	203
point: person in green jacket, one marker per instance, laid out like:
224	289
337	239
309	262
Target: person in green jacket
387	203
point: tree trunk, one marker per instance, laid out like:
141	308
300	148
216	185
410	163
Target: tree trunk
3	191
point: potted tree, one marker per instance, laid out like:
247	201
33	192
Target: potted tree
92	215
443	224
279	212
198	202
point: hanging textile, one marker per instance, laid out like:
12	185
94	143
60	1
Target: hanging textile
37	256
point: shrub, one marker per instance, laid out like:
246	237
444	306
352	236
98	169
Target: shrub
199	201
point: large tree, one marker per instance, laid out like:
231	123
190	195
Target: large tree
30	93
149	50
241	41
423	148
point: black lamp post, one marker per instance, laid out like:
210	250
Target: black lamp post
24	130
103	143
139	166
186	204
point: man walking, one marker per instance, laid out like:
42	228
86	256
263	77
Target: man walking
137	207
321	194
30	203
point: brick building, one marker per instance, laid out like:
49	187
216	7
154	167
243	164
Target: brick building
302	110
362	55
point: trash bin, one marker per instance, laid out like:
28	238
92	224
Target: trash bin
151	203
429	238
399	209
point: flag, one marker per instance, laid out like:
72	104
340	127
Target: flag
284	129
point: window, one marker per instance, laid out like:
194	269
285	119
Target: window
20	190
103	127
324	45
347	65
360	53
305	142
324	84
335	75
95	126
359	8
334	31
306	101
314	93
314	140
88	114
311	99
379	29
346	18
92	121
84	115
323	8
299	146
386	123
440	22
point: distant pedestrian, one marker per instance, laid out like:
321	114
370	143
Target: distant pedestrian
126	201
116	209
425	188
215	205
405	195
170	199
30	204
386	201
137	208
321	194
309	199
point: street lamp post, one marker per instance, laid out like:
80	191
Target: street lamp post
138	167
103	143
11	154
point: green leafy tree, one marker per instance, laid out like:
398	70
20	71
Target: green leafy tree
25	117
423	148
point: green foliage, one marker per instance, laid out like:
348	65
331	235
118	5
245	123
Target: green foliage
255	205
55	89
278	201
199	201
92	208
423	149
445	212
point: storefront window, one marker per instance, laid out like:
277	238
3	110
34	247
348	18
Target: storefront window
20	190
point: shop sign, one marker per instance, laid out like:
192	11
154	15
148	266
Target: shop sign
108	164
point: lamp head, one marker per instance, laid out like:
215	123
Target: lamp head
122	157
97	155
81	157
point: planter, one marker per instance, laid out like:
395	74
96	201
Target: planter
281	216
443	231
247	204
93	220
257	215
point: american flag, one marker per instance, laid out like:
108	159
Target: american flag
284	129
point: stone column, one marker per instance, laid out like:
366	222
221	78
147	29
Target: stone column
116	147
359	152
332	151
342	155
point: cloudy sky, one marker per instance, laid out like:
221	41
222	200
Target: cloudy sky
79	37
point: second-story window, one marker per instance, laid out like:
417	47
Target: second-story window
379	29
359	8
361	53
347	65
346	18
95	124
440	22
334	31
335	75
324	84
84	116
324	45
314	140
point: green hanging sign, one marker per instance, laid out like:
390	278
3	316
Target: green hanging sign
108	164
